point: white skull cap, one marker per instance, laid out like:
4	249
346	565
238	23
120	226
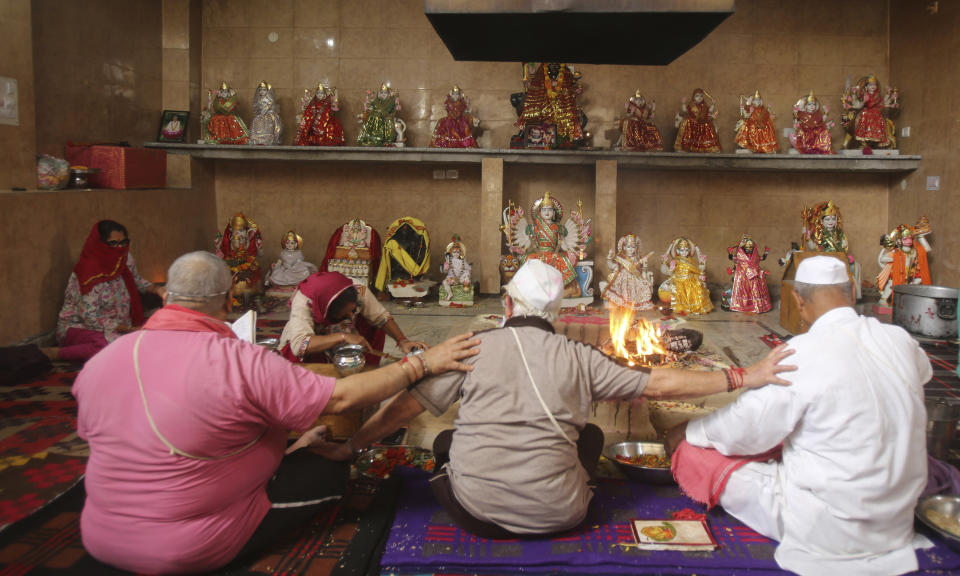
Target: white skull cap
822	270
537	284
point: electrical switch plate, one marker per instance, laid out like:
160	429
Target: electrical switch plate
905	132
933	182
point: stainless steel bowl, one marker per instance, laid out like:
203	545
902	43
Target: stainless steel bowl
641	473
941	514
348	359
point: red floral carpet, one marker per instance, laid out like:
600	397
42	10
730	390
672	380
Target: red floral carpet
40	454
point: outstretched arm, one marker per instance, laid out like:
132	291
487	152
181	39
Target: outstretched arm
679	383
398	411
367	388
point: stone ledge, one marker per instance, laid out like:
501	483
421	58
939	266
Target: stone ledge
626	160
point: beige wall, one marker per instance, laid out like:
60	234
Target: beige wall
923	46
714	210
315	198
770	46
98	70
782	50
43	233
17	143
97	66
777	47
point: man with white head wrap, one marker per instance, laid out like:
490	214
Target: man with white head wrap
522	452
852	427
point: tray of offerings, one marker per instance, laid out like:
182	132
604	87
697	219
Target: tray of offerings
644	461
379	462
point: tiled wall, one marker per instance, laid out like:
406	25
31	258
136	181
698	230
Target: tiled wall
98	71
315	198
17	143
714	210
922	46
782	48
43	233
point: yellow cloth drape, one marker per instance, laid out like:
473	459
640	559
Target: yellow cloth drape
392	249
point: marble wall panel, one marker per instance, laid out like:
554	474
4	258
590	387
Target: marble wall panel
18	142
99	70
922	45
316	198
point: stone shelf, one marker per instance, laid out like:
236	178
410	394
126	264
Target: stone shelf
626	160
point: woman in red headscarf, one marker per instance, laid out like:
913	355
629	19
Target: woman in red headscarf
328	310
102	300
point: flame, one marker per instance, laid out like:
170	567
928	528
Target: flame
646	337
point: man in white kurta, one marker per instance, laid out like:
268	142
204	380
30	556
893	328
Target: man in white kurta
852	427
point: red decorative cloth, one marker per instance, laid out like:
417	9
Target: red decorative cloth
319	127
322	289
702	473
100	262
375	250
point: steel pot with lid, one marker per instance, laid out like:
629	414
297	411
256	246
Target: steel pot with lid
926	310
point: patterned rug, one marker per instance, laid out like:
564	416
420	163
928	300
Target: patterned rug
346	540
943	358
425	540
41	456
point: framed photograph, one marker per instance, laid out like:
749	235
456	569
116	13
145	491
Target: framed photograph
173	126
540	136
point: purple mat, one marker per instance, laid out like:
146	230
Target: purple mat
423	539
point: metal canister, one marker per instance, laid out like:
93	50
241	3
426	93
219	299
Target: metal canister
942	417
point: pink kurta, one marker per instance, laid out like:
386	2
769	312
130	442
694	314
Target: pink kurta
209	394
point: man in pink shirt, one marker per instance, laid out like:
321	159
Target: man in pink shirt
187	427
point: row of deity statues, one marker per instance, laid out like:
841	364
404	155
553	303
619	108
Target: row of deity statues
550	116
318	125
354	250
630	283
400	263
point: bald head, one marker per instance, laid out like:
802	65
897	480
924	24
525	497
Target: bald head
199	281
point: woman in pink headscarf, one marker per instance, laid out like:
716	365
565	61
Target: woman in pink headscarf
328	310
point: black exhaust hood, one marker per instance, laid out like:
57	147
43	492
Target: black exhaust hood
639	32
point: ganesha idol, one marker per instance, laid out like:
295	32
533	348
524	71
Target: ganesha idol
456	289
561	244
238	245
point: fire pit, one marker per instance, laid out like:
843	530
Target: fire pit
637	342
